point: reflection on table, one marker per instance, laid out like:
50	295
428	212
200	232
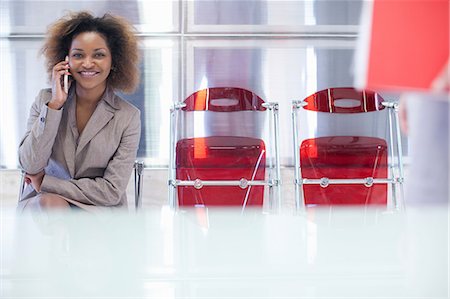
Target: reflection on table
216	253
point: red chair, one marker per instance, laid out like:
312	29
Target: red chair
219	154
344	158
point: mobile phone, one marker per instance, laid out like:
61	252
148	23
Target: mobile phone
66	79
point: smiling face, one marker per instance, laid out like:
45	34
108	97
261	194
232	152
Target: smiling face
90	61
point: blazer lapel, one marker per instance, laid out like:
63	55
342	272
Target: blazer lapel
72	131
101	116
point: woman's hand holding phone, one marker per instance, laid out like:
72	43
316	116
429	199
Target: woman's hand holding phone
60	84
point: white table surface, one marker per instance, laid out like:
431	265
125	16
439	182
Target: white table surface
214	253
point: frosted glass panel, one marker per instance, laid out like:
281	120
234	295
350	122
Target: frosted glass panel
32	16
22	76
273	16
159	87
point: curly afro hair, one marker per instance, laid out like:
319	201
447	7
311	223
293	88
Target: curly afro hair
120	37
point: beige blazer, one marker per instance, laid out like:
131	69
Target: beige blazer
91	169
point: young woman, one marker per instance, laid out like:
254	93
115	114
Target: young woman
82	139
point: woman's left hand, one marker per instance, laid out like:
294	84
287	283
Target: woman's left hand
35	180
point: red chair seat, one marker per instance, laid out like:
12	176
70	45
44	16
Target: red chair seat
220	158
344	157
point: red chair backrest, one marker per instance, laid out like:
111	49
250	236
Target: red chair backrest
344	100
224	99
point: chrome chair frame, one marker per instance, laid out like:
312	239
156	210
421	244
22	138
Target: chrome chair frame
138	183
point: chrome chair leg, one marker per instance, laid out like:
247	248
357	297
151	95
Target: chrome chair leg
138	183
22	184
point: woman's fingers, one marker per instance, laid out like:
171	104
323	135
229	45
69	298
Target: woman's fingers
35	180
59	94
60	70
